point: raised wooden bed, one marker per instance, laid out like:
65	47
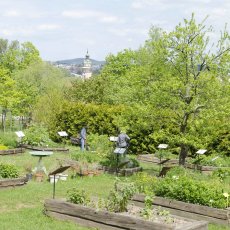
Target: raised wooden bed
110	221
122	172
150	158
12	151
202	168
194	211
4	183
37	148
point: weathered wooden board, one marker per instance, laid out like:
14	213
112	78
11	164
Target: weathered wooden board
199	212
123	172
12	182
107	220
12	151
37	148
150	158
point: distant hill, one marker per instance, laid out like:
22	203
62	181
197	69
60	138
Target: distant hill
78	61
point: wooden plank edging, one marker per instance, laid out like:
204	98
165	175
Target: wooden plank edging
187	207
12	151
65	210
12	182
37	148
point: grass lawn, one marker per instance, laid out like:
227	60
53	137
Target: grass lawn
21	208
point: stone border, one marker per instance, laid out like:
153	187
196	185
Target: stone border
5	183
194	211
109	221
12	151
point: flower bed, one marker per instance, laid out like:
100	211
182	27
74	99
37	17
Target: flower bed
105	220
198	212
4	183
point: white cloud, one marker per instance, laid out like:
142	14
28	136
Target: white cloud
89	14
12	13
6	32
109	19
48	27
127	32
80	14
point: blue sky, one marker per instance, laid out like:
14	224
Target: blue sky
65	29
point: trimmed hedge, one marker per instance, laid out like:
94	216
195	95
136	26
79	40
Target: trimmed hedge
104	120
98	118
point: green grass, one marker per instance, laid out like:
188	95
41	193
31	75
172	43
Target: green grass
21	208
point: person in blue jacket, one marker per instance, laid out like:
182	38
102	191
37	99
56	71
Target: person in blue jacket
83	138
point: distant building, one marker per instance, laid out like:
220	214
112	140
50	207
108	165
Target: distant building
87	67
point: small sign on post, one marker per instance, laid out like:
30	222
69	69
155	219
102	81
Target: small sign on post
20	135
63	134
114	139
162	146
57	171
201	151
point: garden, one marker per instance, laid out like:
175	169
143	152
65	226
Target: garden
92	191
171	96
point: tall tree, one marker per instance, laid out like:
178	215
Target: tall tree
191	84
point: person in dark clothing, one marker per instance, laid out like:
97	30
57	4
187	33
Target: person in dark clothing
83	138
123	140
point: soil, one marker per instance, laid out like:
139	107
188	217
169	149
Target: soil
158	215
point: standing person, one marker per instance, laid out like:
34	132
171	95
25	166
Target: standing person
123	140
83	138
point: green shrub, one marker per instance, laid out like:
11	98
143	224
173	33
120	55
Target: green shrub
8	171
100	144
37	135
223	173
211	160
98	118
78	196
85	157
119	197
144	182
190	190
8	139
120	161
3	147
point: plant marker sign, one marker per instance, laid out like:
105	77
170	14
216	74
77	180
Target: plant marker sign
201	151
63	134
20	134
162	146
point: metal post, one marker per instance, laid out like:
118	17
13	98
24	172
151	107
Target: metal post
117	164
54	186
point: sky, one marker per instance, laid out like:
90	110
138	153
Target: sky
66	29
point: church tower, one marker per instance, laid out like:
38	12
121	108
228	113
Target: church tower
87	67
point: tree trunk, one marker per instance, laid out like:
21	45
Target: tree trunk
183	154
